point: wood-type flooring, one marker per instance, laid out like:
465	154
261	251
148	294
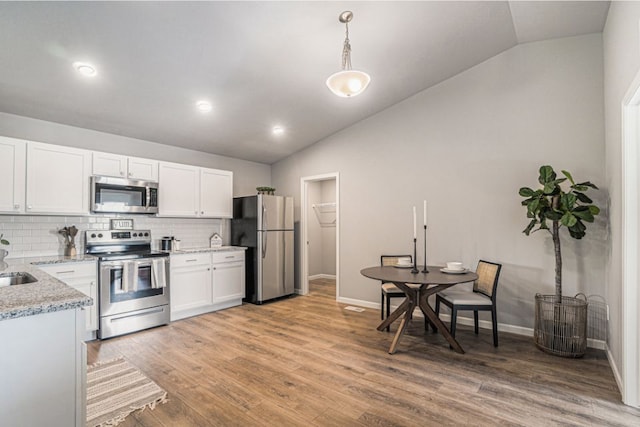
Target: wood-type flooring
306	361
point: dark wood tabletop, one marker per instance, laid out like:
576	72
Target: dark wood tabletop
404	275
417	296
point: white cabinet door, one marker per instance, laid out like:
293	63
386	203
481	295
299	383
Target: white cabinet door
228	276
12	175
190	283
57	179
108	164
179	190
143	169
216	193
82	277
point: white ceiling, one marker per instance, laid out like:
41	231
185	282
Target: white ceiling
260	63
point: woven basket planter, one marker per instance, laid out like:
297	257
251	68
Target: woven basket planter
561	327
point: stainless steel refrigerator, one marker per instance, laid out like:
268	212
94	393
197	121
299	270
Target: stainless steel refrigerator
264	224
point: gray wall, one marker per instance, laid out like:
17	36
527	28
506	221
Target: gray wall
246	175
466	146
621	64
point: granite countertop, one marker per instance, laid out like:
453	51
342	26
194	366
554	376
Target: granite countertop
46	295
221	249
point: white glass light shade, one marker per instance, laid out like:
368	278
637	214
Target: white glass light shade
348	83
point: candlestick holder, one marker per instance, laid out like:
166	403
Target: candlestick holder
424	270
415	270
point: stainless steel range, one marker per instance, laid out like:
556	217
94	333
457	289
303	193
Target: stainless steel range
133	281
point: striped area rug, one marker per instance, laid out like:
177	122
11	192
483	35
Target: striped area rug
115	389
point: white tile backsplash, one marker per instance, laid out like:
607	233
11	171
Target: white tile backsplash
36	235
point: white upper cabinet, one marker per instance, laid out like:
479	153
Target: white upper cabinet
108	164
57	179
190	191
142	169
178	190
12	175
216	193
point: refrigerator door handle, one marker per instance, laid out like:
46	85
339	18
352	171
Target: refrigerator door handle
284	269
264	244
264	217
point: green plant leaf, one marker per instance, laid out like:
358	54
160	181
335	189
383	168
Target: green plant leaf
4	241
526	192
584	215
532	224
588	184
594	210
567	201
532	208
568	175
582	197
568	220
546	174
553	215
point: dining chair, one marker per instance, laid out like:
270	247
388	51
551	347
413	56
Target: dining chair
389	290
482	298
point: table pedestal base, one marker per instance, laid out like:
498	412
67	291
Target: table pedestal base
417	297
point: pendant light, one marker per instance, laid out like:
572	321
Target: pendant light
348	82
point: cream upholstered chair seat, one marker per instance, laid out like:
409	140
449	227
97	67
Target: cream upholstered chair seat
465	298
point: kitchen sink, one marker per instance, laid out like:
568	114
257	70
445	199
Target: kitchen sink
17	278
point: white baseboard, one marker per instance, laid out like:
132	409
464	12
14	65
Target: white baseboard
484	324
614	368
322	276
359	303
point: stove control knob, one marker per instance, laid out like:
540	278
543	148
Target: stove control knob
93	236
146	234
135	234
100	235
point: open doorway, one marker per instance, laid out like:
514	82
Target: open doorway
320	225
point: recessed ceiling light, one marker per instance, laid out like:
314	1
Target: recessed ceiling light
277	130
204	106
85	69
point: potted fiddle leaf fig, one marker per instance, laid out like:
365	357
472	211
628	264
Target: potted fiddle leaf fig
560	321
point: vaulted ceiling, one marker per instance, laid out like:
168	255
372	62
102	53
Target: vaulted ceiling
260	64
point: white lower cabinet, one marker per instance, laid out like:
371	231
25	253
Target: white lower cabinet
228	276
81	276
205	282
190	284
44	365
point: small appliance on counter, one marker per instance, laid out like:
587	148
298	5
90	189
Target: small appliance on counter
166	244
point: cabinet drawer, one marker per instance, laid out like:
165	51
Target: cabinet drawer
218	257
185	260
72	271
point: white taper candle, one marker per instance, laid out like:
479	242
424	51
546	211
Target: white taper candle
425	212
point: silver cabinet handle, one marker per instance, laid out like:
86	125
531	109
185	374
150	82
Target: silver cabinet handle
130	174
16	206
190	260
201	212
65	272
121	173
29	207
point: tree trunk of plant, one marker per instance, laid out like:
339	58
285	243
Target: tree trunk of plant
556	246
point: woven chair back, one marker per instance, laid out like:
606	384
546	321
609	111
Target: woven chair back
393	259
487	282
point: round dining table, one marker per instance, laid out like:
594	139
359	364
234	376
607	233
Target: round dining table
417	288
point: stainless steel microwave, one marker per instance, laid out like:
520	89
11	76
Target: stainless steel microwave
113	195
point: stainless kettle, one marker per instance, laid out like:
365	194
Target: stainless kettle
166	244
